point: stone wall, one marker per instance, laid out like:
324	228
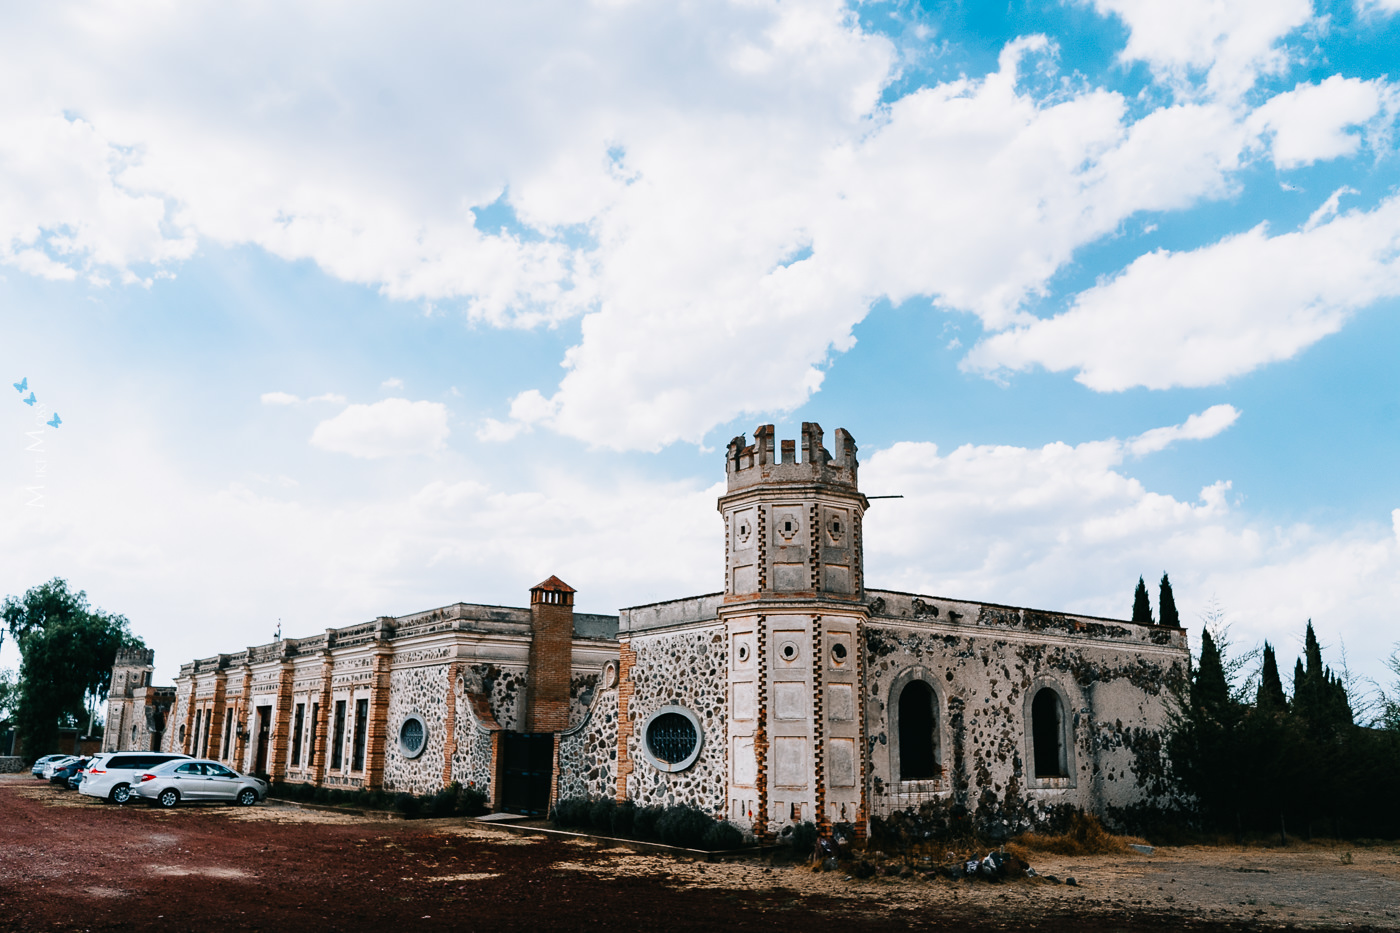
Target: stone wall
588	751
686	669
421	690
1112	690
471	760
11	764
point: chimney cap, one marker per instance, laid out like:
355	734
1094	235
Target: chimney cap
554	584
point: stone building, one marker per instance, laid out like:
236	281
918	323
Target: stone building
796	693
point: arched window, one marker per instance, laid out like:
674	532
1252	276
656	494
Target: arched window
918	732
1048	734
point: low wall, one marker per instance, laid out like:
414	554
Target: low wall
11	764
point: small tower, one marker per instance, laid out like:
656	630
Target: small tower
126	726
794	615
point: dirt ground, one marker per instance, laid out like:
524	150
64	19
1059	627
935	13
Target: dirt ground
69	862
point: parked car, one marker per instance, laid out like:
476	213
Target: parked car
63	776
54	765
111	774
38	769
198	781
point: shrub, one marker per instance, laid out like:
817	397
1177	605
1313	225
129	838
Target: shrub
571	812
683	826
623	817
722	836
802	839
321	795
1085	836
644	822
408	805
471	802
443	803
600	814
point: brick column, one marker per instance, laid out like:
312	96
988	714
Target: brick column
377	735
240	712
216	717
760	733
551	656
281	723
322	724
188	742
449	726
626	658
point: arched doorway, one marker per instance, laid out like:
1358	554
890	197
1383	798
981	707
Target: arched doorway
918	733
1048	734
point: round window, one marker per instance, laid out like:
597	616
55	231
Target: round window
838	653
672	738
788	650
413	736
743	653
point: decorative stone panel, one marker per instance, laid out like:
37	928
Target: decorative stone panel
588	752
687	669
421	690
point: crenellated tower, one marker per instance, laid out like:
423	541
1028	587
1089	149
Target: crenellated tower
793	525
794	613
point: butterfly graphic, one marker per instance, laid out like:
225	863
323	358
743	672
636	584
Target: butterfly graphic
31	400
55	421
22	386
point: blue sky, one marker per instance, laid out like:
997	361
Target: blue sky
352	314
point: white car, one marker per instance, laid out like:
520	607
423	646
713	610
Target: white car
51	766
197	781
111	774
42	763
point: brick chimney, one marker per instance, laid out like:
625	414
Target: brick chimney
551	656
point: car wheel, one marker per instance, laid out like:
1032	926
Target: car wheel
120	794
168	797
247	797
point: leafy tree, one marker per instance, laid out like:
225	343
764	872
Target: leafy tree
67	649
1166	604
1142	608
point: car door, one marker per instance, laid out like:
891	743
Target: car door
220	782
189	780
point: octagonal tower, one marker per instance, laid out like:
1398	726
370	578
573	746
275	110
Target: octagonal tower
794	612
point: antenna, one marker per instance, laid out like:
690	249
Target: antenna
884	497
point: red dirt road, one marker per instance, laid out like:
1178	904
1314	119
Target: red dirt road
71	863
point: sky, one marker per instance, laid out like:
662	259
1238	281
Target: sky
350	310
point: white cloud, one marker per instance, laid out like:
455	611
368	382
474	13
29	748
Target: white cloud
719	191
394	383
1230	43
279	398
394	427
1197	318
1198	427
1311	122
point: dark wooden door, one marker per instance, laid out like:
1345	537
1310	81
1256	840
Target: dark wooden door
528	772
264	727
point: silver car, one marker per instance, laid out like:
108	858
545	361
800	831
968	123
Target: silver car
197	780
110	775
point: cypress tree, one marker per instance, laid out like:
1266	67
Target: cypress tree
1142	608
1166	604
1210	694
1270	697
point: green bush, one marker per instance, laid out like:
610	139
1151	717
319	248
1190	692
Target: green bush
623	817
600	814
721	836
802	839
644	822
408	805
443	803
471	802
683	826
570	813
321	795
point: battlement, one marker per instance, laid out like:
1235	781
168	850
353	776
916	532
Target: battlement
751	464
135	657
